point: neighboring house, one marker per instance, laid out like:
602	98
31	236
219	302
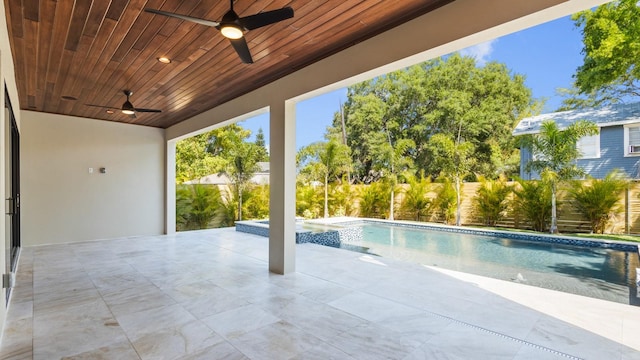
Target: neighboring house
261	177
616	146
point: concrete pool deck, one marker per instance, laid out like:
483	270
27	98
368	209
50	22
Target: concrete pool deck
207	295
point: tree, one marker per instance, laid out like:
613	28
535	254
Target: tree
343	198
326	161
532	201
416	201
491	201
445	201
434	98
263	153
374	199
238	157
193	161
390	158
455	158
241	166
598	200
555	155
611	65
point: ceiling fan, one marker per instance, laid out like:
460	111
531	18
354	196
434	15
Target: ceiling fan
127	106
233	27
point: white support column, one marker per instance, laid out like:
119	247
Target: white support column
170	186
282	180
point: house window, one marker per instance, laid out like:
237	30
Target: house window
589	146
632	140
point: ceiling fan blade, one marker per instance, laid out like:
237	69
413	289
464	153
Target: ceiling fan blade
104	107
184	17
147	110
240	45
266	18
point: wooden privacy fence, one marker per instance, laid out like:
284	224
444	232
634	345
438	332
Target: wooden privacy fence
569	221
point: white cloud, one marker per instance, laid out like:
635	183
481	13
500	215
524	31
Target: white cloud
480	52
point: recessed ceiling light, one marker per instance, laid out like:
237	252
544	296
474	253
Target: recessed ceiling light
164	60
67	97
109	111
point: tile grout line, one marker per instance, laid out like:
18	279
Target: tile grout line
109	307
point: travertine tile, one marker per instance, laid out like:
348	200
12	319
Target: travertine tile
373	342
127	301
222	350
208	295
121	350
279	340
373	308
150	320
234	323
323	352
176	341
458	341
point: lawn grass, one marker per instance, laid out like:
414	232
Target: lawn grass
618	237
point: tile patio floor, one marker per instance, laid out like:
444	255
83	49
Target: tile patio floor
208	295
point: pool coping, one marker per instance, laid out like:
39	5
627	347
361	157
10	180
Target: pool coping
547	238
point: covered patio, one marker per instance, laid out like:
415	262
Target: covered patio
205	295
103	274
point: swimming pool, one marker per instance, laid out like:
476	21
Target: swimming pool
589	271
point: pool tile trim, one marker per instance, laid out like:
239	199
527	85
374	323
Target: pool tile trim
336	236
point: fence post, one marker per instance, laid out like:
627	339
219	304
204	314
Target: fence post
627	207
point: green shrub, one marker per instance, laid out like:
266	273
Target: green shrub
342	199
444	204
228	207
309	201
374	200
597	200
532	202
196	206
256	202
490	202
416	202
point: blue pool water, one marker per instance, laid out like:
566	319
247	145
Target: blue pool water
596	272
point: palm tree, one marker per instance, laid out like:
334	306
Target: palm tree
327	160
555	155
455	158
242	165
391	158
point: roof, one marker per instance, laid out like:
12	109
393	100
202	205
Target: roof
618	114
260	177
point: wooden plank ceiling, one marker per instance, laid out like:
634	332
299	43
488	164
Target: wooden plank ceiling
92	50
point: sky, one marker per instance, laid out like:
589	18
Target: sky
547	55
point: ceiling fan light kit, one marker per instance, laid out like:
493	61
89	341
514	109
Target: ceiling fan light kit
127	106
233	27
231	31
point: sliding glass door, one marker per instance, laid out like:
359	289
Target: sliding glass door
12	189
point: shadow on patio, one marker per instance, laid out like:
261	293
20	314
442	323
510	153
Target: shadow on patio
207	294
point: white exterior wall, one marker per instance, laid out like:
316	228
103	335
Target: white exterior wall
62	202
